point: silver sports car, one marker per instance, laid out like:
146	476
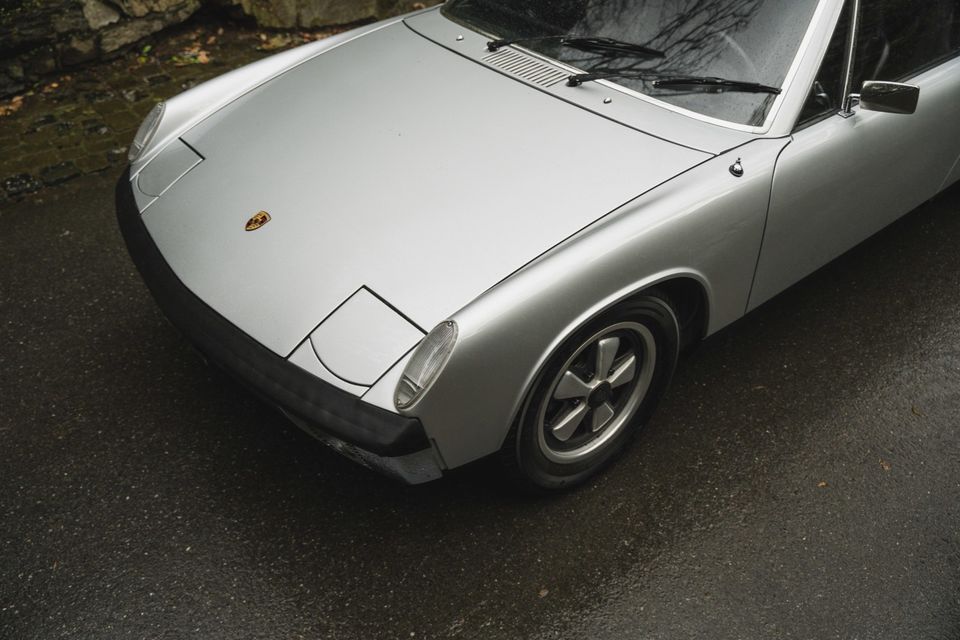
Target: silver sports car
491	227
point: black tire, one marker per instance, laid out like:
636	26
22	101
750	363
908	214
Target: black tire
533	456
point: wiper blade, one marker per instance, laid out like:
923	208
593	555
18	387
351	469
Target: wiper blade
720	85
603	46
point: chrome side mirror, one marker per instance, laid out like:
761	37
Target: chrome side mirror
889	97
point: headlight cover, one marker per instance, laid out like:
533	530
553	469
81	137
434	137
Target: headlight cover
146	131
426	364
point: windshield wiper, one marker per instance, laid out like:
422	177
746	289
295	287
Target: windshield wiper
720	85
603	46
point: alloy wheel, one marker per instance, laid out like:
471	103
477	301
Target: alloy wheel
597	392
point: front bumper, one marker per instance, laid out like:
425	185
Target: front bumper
368	434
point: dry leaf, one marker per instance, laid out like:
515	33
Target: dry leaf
276	42
544	593
193	55
823	484
885	465
11	107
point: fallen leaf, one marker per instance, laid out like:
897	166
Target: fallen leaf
917	412
823	484
193	55
885	465
544	593
12	106
276	42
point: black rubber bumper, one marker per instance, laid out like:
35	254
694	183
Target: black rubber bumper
322	405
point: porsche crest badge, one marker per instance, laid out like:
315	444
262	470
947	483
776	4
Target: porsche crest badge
258	221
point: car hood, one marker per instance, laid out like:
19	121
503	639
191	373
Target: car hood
395	165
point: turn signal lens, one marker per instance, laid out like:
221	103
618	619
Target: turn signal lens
146	132
426	364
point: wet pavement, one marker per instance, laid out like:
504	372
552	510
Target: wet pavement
802	480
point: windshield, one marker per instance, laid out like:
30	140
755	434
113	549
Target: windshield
744	40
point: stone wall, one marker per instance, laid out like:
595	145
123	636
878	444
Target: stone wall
42	37
318	13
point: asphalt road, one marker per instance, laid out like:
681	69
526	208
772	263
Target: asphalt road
802	480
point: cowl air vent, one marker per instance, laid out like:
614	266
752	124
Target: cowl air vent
533	70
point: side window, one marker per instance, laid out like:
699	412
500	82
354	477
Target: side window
825	96
898	39
901	38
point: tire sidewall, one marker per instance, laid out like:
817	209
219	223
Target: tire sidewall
658	316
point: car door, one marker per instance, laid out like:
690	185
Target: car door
845	177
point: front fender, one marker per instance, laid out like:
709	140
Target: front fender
705	224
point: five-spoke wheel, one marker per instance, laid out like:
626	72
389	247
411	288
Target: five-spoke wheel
598	388
597	391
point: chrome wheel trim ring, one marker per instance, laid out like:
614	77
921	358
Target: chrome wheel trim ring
563	385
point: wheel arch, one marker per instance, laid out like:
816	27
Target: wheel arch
689	284
467	380
689	295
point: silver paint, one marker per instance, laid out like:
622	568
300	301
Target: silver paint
704	225
363	338
195	105
177	161
519	211
844	179
389	203
306	358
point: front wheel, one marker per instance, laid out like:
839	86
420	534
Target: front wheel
597	390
